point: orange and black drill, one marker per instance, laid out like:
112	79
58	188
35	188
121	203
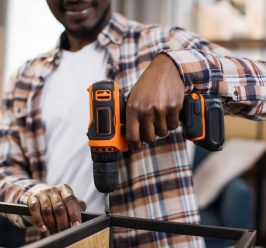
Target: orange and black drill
106	134
202	117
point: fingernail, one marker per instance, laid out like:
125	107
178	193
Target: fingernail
77	223
43	228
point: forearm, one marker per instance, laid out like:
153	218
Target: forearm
15	188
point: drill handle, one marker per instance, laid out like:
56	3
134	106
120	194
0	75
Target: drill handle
203	120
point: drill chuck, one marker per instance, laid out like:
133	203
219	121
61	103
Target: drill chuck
105	176
105	169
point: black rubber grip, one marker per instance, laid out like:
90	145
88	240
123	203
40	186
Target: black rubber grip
105	176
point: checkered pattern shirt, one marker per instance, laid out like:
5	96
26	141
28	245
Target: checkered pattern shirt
157	181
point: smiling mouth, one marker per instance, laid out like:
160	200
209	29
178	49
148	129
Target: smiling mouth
78	10
77	7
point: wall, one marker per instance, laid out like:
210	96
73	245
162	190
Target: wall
30	30
165	12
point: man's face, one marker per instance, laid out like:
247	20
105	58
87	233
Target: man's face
81	17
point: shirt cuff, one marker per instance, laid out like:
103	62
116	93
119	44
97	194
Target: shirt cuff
194	70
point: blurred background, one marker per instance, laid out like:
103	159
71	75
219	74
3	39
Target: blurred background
27	28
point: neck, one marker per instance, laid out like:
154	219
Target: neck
77	40
77	44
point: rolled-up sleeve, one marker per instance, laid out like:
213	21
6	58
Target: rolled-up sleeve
239	81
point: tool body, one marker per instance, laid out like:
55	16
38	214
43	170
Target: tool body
106	134
202	117
203	120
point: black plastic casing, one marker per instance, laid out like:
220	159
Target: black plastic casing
191	116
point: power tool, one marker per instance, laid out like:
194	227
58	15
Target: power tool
106	133
202	117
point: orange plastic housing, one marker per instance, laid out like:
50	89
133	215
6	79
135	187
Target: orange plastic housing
118	140
196	96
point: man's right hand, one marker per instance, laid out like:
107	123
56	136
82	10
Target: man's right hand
55	208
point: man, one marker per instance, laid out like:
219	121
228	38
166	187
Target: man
44	120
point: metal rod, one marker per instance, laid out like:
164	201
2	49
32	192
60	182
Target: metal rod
73	234
177	228
247	240
11	208
20	209
107	203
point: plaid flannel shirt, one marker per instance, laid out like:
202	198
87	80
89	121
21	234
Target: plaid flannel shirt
156	182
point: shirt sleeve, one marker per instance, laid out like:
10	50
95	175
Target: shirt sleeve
15	178
210	69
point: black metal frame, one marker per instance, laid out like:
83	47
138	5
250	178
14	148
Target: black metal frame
96	222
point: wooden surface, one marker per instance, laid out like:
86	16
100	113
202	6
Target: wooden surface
237	127
242	43
100	239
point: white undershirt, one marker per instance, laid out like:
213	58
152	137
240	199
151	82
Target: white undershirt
65	111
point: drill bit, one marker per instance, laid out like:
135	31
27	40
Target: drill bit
107	203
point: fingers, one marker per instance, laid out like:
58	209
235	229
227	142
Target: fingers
35	211
82	204
146	125
133	130
55	208
72	204
148	130
172	119
59	211
154	102
47	213
161	126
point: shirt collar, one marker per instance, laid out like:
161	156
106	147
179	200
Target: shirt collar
113	33
114	30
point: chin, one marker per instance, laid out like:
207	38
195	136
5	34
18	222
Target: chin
81	32
86	26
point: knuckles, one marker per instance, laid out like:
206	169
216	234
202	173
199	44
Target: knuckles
45	191
63	186
60	209
162	132
172	125
132	140
173	105
34	206
149	139
70	198
47	210
150	109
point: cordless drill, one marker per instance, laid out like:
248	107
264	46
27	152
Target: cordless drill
202	117
106	134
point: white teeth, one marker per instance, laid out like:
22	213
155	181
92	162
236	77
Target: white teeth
78	10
